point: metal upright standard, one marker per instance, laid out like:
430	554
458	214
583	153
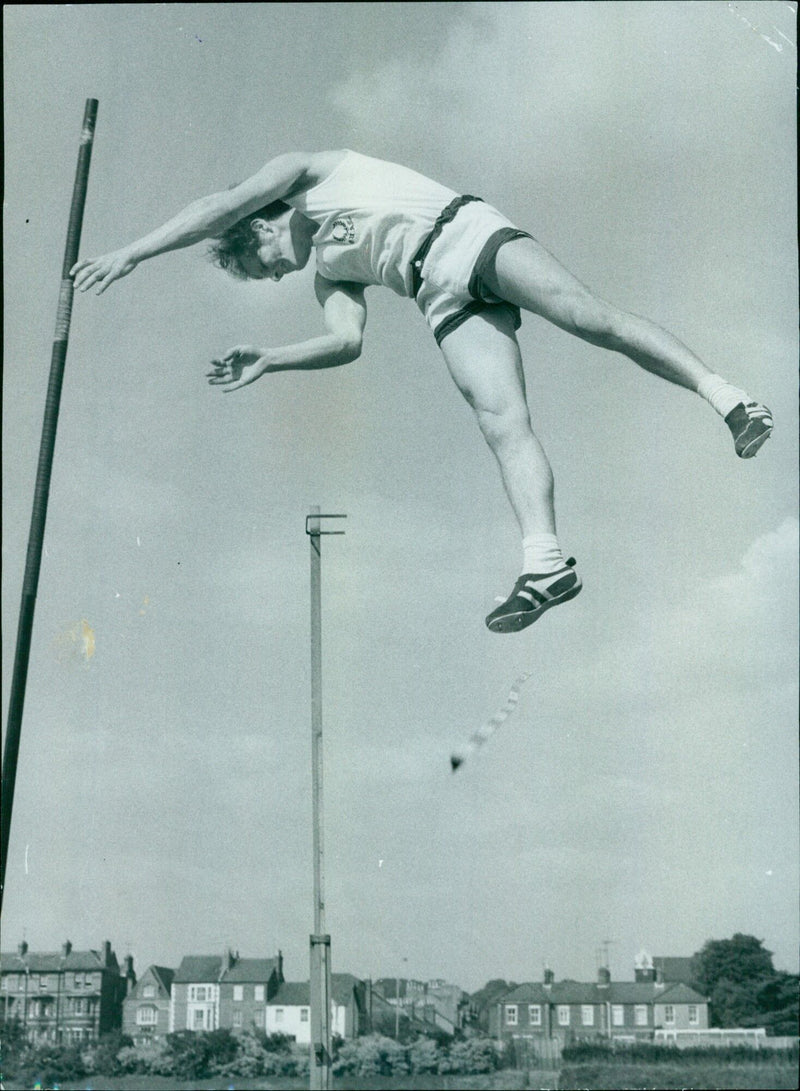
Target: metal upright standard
320	941
42	487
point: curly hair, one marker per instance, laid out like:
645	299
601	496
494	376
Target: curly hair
238	240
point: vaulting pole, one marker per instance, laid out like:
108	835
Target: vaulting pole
42	487
320	942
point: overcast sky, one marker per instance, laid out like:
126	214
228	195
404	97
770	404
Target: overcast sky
645	790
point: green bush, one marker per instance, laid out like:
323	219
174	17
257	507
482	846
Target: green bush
152	1058
471	1056
424	1055
51	1063
373	1055
199	1054
102	1055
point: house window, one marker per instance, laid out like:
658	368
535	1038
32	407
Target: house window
238	992
640	1015
511	1015
259	993
279	1015
618	1015
693	1015
669	1013
148	992
535	1015
199	1019
587	1015
43	982
563	1015
258	1018
304	1015
237	1018
146	1015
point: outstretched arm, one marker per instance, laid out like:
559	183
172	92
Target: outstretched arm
202	219
345	314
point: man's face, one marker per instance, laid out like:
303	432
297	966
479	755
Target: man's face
276	253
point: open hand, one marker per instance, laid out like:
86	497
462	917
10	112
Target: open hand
238	367
102	271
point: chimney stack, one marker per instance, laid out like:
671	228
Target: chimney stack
603	977
106	952
549	977
23	949
66	948
130	975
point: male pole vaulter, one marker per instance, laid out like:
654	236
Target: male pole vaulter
470	271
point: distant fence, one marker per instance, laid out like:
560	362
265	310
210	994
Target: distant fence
539	1051
754	1037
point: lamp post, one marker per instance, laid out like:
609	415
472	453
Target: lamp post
320	1074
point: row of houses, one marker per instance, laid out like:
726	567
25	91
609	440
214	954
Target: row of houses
658	999
76	996
209	992
67	995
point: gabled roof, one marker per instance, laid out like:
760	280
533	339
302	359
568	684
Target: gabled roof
617	992
198	969
52	962
163	975
680	994
258	970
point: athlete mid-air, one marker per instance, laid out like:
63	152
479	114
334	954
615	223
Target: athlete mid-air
470	271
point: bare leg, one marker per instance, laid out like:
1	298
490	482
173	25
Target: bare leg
484	360
528	275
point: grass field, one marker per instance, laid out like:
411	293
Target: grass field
722	1076
589	1076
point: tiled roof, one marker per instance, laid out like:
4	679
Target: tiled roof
291	994
617	992
198	968
51	962
296	993
251	970
681	994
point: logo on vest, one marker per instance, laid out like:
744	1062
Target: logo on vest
343	229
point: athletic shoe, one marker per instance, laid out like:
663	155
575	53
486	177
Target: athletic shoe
532	595
750	427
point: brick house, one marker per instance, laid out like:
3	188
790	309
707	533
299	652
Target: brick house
209	991
66	996
246	988
571	1010
145	1010
289	1010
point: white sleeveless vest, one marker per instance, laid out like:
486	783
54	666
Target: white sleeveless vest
373	217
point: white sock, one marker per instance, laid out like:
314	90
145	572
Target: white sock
720	394
541	554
